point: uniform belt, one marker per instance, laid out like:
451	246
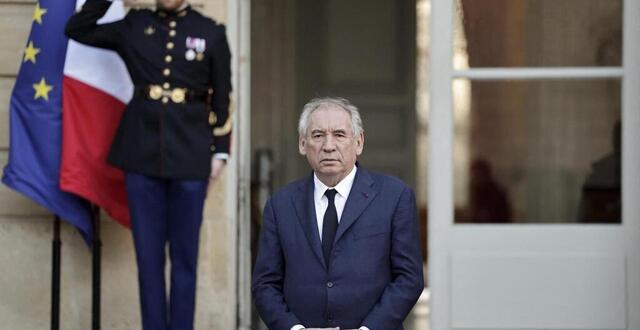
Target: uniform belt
175	95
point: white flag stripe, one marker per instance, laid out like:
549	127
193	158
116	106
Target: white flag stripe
100	68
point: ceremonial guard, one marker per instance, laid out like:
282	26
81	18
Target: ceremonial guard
172	140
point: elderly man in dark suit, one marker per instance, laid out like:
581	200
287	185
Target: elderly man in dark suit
340	248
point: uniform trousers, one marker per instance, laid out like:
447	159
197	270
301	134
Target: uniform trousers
166	212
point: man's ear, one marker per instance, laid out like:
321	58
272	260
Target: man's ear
302	143
360	144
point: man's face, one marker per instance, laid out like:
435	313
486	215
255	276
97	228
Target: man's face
169	5
330	145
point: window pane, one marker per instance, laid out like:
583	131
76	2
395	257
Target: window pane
537	151
511	33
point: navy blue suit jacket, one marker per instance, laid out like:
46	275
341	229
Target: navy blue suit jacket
375	275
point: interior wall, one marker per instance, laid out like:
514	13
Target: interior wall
542	137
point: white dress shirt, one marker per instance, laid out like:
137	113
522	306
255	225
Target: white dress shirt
299	327
321	201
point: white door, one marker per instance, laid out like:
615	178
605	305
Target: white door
528	225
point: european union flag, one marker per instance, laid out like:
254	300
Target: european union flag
36	117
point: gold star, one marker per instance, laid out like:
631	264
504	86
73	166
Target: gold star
42	90
38	13
30	53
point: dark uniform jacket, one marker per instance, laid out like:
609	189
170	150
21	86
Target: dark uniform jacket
176	60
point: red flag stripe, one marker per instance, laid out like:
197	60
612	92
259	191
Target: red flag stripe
90	118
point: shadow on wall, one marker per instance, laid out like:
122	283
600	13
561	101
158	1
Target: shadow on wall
600	201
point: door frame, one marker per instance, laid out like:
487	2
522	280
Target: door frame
239	167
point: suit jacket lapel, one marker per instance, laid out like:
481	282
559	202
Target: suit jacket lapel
306	212
361	195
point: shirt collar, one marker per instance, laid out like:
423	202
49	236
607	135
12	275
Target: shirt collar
179	13
343	187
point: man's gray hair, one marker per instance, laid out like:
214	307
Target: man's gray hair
321	102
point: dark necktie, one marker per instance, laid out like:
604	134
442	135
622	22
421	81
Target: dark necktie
329	225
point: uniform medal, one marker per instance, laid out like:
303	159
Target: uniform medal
190	55
195	48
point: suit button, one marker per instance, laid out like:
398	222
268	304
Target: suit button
329	284
170	45
166	85
172	33
165	100
172	24
166	72
168	58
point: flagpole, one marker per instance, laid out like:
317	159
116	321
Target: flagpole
55	275
96	262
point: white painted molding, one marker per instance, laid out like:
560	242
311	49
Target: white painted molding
539	73
239	30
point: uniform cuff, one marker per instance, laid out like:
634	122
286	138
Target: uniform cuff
297	327
221	155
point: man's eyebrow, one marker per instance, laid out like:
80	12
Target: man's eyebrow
317	130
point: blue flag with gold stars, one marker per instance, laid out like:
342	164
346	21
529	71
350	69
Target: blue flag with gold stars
36	117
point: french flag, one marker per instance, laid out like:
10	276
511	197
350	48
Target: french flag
95	89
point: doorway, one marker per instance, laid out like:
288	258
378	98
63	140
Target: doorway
360	50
